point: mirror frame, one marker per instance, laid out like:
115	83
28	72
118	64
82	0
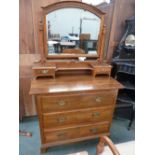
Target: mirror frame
74	4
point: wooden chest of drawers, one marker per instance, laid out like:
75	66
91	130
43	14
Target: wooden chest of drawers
74	108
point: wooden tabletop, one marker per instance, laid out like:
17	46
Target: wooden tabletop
70	84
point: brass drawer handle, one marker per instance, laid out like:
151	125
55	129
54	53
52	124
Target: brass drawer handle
93	130
61	119
95	114
61	135
45	71
61	103
99	99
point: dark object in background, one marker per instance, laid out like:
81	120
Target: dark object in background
124	71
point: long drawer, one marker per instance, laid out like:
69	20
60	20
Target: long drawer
53	104
75	117
76	132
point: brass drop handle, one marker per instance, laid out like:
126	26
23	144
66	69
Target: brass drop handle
95	114
99	99
61	119
45	71
61	103
93	130
61	135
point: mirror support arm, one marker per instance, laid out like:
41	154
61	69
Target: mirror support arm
41	30
101	40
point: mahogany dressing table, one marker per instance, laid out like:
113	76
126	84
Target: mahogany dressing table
75	98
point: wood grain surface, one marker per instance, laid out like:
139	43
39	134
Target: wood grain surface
31	43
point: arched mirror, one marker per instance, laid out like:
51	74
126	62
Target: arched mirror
72	31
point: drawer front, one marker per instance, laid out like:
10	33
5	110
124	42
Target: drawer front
106	70
75	117
53	104
76	132
43	72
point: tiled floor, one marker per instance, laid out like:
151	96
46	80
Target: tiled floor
31	146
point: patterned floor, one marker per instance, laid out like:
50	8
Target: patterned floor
31	146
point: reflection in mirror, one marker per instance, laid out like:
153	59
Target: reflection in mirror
72	31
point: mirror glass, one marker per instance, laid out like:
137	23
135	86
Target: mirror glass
72	31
